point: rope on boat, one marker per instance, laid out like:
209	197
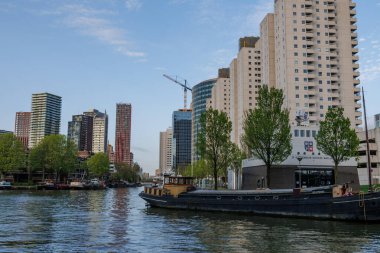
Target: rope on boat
362	204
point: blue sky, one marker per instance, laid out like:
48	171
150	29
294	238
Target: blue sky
96	53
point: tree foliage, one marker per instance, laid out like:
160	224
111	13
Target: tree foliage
267	134
336	138
198	169
54	154
127	172
214	143
98	165
12	154
237	156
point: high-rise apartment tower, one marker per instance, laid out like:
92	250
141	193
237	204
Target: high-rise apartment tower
45	117
123	133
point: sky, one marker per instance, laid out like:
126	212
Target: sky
96	53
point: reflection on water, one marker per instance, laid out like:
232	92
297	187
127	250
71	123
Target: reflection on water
117	220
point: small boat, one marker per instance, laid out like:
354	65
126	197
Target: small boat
46	185
332	203
5	185
77	185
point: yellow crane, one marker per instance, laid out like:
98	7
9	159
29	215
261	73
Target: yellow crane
185	88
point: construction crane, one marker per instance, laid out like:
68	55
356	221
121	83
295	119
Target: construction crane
185	88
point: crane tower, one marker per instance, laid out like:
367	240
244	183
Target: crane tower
185	88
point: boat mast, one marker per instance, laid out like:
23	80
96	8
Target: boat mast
368	155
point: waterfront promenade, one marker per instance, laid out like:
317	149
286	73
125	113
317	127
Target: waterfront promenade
117	220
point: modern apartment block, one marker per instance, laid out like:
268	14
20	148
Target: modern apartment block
220	93
245	81
123	133
200	93
181	146
99	130
45	117
22	127
166	139
374	144
316	57
80	131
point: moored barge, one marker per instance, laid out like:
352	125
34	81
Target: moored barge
333	203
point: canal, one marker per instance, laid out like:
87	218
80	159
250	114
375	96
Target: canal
117	220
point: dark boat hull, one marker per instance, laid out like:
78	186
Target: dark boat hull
320	206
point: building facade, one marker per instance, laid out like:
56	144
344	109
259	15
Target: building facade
200	93
80	131
45	117
123	133
22	127
166	139
316	58
181	146
98	130
305	167
220	93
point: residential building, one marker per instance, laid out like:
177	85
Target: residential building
316	58
45	117
123	133
220	93
374	144
99	130
200	93
181	146
22	127
80	131
166	139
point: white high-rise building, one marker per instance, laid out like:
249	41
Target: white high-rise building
316	58
220	93
45	117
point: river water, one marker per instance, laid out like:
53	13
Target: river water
117	220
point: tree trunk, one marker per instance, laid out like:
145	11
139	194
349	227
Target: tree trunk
215	179
336	172
268	175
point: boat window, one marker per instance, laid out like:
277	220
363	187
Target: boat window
218	197
275	197
257	197
240	198
180	181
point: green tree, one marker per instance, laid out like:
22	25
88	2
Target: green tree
98	164
54	154
267	134
198	169
127	172
336	138
214	143
12	154
237	156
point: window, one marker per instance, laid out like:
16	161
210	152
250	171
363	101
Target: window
302	133
296	133
307	133
313	133
296	79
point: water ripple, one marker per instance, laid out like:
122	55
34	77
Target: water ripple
117	220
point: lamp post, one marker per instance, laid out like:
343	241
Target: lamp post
299	158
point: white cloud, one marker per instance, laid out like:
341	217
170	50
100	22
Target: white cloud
133	5
96	23
375	42
362	39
